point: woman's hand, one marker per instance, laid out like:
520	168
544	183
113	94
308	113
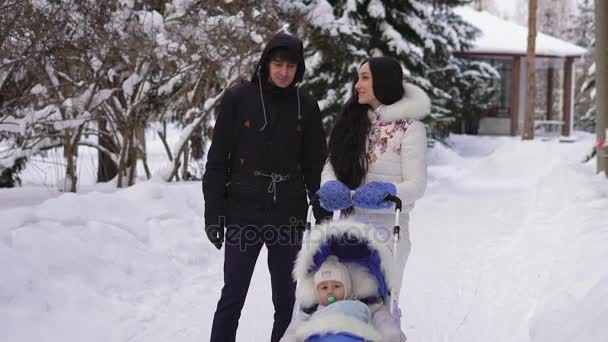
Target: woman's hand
334	195
373	194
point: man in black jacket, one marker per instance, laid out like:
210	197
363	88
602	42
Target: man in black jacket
267	151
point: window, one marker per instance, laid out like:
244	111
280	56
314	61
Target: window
502	106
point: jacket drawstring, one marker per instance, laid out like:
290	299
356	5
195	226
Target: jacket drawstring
262	99
274	179
298	94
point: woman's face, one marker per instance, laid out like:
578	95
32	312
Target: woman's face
364	87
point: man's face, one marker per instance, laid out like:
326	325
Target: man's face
282	73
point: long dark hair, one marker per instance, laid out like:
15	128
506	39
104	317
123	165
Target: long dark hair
347	143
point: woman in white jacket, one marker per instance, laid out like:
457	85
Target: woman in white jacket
378	147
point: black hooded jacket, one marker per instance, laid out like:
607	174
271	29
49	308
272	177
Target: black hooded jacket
263	130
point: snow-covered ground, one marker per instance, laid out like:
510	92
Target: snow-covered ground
510	244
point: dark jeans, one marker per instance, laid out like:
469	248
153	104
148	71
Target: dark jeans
242	247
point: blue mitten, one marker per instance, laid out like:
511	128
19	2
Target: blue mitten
334	195
372	195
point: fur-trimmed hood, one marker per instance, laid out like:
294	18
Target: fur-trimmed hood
414	105
364	283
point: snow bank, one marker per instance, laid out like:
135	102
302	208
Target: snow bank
508	244
97	266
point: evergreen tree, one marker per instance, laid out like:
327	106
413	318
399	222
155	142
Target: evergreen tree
465	88
553	17
589	90
346	32
582	32
422	34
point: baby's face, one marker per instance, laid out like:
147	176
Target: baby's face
330	288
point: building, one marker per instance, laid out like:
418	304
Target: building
504	45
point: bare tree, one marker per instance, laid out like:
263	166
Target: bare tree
227	50
528	132
46	45
83	73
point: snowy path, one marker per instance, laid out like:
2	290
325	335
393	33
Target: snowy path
500	240
509	244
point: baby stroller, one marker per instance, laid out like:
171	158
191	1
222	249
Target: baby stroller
356	245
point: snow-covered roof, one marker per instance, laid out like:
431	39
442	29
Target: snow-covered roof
503	37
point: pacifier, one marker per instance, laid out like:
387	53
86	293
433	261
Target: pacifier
331	299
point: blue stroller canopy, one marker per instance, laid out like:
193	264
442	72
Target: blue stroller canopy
369	260
353	249
353	243
370	263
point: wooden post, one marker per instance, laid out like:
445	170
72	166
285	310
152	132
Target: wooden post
528	132
515	79
601	79
568	96
550	93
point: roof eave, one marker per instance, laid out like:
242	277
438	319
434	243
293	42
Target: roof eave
514	54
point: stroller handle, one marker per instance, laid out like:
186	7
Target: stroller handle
315	201
396	200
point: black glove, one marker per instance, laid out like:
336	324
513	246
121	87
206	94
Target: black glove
321	215
215	234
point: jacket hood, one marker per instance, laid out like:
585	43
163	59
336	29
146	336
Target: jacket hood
414	105
281	40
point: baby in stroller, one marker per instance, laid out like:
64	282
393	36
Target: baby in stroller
336	309
344	285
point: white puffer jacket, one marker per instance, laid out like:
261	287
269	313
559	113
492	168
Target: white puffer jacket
396	151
